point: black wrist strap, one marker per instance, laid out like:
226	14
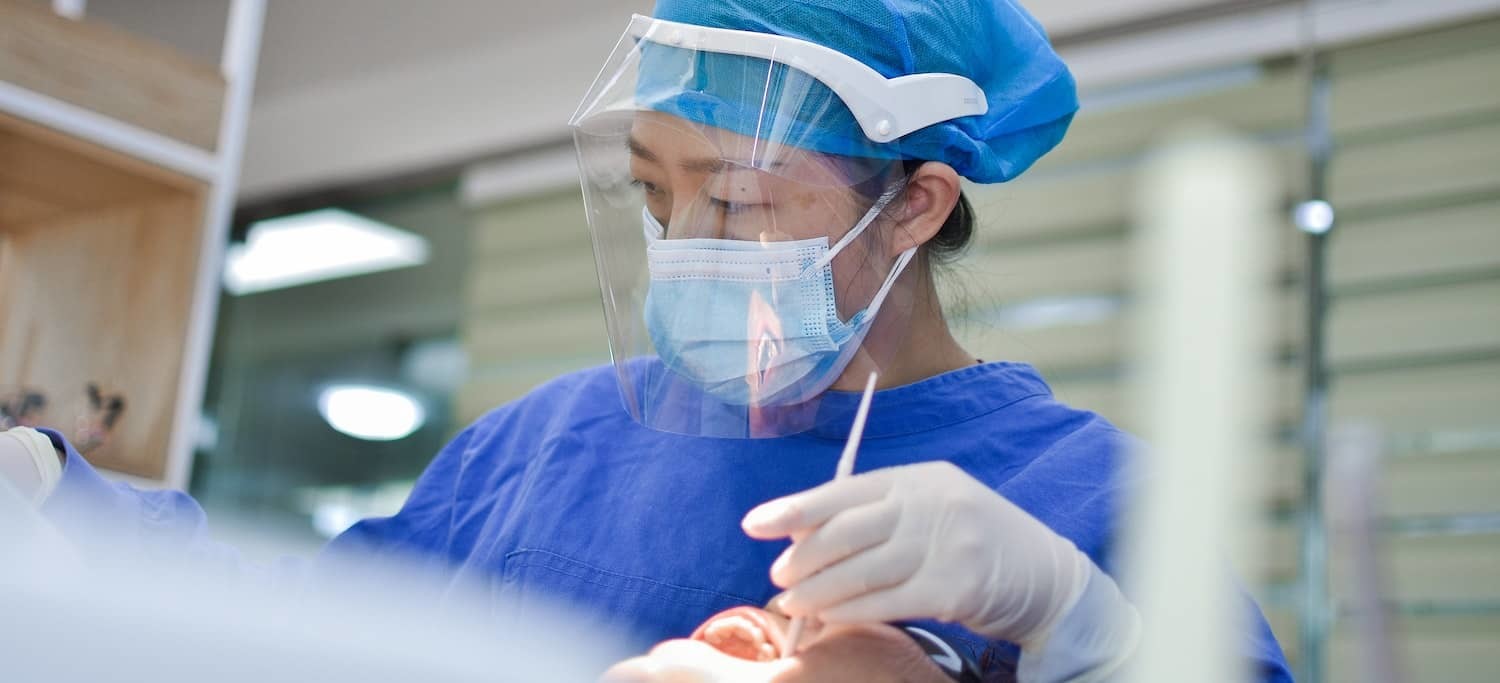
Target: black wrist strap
945	656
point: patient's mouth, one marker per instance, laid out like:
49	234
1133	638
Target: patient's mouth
745	632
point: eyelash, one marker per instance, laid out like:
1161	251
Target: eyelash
731	208
649	188
727	207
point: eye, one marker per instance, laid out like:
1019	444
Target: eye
650	189
732	208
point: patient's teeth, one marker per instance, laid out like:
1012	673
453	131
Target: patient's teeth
735	627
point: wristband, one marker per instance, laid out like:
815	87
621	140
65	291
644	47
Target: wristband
945	656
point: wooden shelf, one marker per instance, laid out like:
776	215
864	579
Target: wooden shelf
114	196
46	175
98	261
110	72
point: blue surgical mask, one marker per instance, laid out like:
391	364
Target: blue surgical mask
754	323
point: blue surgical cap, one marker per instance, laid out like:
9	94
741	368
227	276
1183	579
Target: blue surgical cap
995	43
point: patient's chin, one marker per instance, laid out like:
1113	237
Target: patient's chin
746	633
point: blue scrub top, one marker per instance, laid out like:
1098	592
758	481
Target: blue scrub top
562	495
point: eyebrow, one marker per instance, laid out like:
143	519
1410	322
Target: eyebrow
701	165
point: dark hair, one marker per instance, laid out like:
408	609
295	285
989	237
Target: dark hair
957	232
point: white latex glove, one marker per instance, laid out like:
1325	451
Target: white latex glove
29	470
921	541
29	462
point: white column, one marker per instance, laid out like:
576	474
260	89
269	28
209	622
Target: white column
1205	221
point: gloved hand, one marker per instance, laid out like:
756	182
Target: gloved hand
29	462
921	541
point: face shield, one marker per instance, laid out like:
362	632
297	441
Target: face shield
742	193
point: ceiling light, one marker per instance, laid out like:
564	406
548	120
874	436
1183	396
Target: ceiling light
371	413
315	246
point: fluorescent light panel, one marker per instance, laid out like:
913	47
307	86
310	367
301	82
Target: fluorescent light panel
317	246
371	413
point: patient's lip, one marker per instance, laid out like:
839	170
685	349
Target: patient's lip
745	632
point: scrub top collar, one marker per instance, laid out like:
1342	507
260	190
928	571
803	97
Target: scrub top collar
932	403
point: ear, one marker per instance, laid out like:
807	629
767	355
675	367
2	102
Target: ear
931	193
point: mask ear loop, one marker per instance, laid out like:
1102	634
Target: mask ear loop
853	233
890	280
896	269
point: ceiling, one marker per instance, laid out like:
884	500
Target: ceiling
355	90
311	44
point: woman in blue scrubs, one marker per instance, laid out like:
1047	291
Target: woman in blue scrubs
769	188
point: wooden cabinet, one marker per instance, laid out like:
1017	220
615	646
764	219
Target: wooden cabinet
118	161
